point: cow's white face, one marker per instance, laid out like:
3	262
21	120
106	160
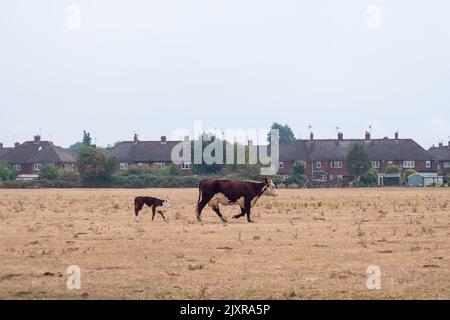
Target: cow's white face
271	190
166	204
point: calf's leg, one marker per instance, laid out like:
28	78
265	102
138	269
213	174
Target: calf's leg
247	205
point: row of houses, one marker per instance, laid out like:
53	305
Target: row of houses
325	159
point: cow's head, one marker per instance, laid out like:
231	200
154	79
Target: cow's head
166	204
270	189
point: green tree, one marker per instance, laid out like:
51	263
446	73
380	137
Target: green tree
408	172
87	140
48	172
392	169
370	178
6	172
285	133
75	147
170	170
249	171
357	160
205	168
94	167
298	174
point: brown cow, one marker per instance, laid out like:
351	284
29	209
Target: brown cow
232	192
152	202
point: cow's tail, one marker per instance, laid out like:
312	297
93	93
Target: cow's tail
197	210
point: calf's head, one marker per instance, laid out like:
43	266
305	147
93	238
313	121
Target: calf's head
269	188
166	204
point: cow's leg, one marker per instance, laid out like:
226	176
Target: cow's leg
216	210
247	206
237	216
203	201
161	213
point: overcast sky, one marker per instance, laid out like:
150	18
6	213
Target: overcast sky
152	67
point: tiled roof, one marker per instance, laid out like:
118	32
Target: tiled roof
143	151
38	152
442	153
4	151
333	149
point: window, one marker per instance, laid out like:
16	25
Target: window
336	164
160	165
375	164
323	178
390	162
428	164
123	166
340	176
17	167
285	178
447	164
409	164
185	166
281	164
37	166
331	177
51	165
318	164
140	164
69	166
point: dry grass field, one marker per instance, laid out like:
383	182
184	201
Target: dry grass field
305	244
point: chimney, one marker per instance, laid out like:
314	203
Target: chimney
441	144
311	136
135	139
449	144
37	138
186	138
340	136
163	139
367	135
396	135
250	142
16	145
1	145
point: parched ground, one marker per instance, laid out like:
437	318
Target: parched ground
305	244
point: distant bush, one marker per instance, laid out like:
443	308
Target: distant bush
408	172
48	172
391	169
6	172
370	178
153	181
37	184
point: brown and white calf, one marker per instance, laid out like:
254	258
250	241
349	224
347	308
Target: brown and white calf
245	194
152	202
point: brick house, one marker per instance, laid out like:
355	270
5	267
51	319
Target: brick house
325	159
28	158
146	154
442	155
